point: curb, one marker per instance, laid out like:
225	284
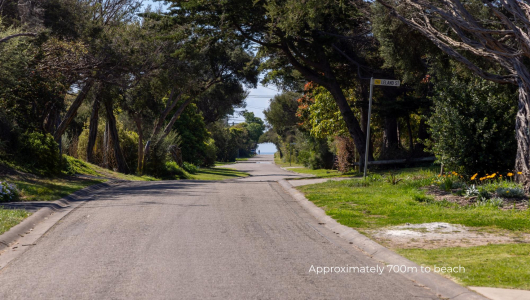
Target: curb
443	287
16	232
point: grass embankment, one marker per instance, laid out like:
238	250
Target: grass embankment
318	173
36	188
502	266
372	204
218	174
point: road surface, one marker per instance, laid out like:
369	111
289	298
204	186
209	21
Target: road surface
235	239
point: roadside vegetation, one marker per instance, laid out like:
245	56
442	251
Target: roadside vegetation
409	196
314	173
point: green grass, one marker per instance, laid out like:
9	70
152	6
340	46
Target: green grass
382	204
218	174
322	173
318	173
11	217
84	168
42	189
279	162
502	266
224	163
375	203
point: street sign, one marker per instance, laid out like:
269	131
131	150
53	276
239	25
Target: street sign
387	82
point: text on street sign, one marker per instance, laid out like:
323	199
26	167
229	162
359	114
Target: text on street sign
387	82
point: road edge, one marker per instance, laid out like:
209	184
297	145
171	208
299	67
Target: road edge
443	287
10	237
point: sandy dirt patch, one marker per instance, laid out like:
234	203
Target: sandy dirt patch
438	234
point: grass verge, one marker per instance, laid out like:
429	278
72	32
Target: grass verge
502	266
11	217
218	174
377	202
318	173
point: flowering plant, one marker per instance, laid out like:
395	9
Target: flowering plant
8	192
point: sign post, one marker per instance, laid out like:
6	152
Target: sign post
383	82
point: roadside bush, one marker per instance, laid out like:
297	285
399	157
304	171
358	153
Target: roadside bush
190	168
156	164
210	153
472	125
40	153
8	192
172	169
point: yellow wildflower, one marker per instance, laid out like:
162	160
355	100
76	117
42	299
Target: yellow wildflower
474	176
519	173
510	174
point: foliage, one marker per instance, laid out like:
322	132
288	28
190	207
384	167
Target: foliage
510	192
194	136
172	170
489	202
39	153
128	140
8	192
472	125
472	191
190	168
382	204
157	165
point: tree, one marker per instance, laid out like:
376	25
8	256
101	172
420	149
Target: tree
305	41
254	126
495	32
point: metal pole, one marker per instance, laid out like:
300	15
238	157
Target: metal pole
368	127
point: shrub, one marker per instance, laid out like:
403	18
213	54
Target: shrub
510	192
471	191
40	153
8	192
156	164
190	168
172	169
469	124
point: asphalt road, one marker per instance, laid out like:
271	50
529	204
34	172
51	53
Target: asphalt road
235	239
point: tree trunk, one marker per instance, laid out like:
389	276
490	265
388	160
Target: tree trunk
331	84
93	130
70	114
106	146
146	153
522	161
176	115
411	139
390	136
113	132
351	121
138	121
